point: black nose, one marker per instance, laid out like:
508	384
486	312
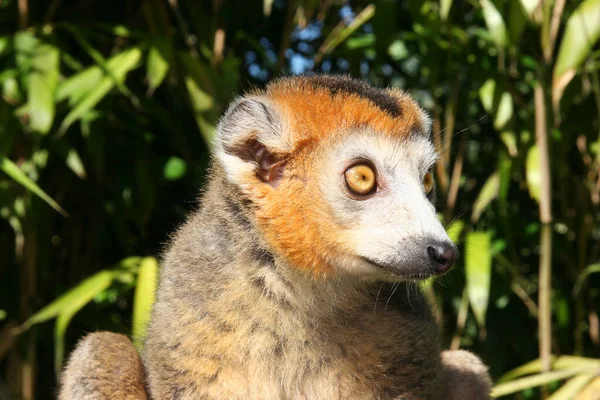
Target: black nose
442	256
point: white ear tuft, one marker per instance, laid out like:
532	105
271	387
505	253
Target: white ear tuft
249	137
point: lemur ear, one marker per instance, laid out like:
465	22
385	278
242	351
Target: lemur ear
250	136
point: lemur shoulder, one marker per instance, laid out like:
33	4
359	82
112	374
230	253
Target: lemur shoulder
291	279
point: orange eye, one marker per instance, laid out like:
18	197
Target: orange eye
360	179
428	182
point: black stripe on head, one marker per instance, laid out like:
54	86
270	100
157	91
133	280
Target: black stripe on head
342	84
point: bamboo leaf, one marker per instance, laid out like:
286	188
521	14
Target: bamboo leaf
455	229
445	6
13	171
478	268
495	23
267	7
581	33
529	6
144	299
43	81
157	65
529	382
591	391
532	172
99	59
558	363
572	387
340	33
119	69
74	162
590	269
74	299
488	193
174	169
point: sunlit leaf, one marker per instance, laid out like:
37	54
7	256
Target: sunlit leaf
174	168
533	175
144	298
398	50
494	22
5	44
119	69
267	7
13	171
2	315
340	34
581	33
590	269
478	269
486	94
455	229
445	9
535	366
591	391
74	162
74	299
517	21
529	6
157	65
572	387
42	86
488	193
521	384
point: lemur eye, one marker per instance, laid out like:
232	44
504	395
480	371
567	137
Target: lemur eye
360	179
428	182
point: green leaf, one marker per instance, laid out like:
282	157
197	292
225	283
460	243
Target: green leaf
175	169
144	299
590	269
445	6
519	385
99	59
455	229
119	68
532	171
581	33
74	299
478	269
488	193
5	44
157	65
13	171
398	50
569	390
535	366
517	21
2	315
341	33
74	162
495	23
529	6
42	86
267	7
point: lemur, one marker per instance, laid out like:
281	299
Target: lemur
291	280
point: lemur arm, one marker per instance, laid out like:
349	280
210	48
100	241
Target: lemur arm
465	376
104	365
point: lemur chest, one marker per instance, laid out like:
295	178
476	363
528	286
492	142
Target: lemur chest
358	359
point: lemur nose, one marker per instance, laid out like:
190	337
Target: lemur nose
443	256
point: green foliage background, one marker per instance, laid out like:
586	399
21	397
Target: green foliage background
107	110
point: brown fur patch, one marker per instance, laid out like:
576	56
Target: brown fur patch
317	110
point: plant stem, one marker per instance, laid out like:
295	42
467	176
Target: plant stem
545	266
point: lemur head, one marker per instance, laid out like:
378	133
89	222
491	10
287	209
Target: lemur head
338	177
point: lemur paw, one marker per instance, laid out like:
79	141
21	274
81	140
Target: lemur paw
465	376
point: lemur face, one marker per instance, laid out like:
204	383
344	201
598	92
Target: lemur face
380	191
338	175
